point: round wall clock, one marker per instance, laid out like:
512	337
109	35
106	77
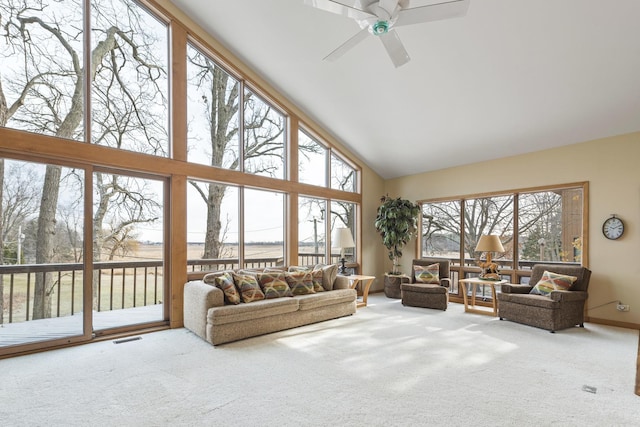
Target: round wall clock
612	228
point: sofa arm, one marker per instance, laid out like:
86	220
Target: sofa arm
446	282
512	288
342	282
568	296
199	297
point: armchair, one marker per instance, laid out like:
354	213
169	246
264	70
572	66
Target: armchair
558	310
427	295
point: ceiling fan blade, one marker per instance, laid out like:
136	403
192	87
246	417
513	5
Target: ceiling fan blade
395	49
433	12
388	5
342	7
348	45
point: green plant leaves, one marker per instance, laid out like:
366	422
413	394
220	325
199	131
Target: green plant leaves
396	221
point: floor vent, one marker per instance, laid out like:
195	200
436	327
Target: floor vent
127	340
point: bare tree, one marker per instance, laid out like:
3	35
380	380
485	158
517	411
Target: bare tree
20	197
46	39
490	215
263	137
120	204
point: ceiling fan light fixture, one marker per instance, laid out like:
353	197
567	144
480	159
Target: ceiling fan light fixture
380	27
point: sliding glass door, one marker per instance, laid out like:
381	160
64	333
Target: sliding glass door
42	258
128	285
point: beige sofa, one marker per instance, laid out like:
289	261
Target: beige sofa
207	315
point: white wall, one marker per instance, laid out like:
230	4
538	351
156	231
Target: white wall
612	168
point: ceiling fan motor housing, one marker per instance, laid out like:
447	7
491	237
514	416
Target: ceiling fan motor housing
380	27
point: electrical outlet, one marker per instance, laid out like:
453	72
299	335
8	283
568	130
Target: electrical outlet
623	307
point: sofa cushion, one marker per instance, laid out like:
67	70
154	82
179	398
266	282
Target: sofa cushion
249	288
256	310
300	282
329	274
423	288
338	296
553	282
529	300
226	283
427	274
274	285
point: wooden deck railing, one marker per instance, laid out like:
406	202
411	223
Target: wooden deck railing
124	284
119	284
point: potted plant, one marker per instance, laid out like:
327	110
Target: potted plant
397	222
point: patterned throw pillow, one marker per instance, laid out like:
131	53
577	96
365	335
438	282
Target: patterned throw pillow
427	274
552	282
293	268
210	278
225	282
249	289
274	285
329	273
316	279
300	282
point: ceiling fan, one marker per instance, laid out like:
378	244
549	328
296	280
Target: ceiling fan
380	17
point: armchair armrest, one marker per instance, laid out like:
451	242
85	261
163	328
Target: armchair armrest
512	288
446	282
568	295
199	297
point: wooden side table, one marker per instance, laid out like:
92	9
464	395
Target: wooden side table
474	282
365	281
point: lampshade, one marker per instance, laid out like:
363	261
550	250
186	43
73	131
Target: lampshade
342	238
489	243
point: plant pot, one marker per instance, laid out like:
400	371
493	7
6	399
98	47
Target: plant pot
392	284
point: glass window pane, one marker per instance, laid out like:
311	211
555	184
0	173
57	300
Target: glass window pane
264	136
129	81
489	215
41	77
263	228
128	250
213	120
343	176
312	161
311	231
42	223
343	215
212	225
550	226
441	230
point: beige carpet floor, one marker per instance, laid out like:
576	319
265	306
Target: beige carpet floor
387	365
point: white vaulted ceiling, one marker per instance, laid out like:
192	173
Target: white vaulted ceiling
510	77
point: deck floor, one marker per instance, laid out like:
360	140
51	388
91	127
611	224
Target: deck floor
62	327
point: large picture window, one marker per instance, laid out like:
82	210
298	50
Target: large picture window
542	225
88	92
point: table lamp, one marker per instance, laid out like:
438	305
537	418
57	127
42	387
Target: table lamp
342	239
489	243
